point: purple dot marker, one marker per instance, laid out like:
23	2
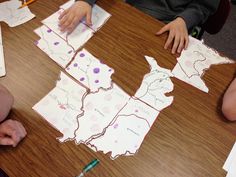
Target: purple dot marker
96	81
81	79
75	65
116	126
49	30
110	70
96	70
56	43
82	55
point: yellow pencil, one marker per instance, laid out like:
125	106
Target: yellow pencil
27	3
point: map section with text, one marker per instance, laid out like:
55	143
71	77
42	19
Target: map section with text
125	134
104	118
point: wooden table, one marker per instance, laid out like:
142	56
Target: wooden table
189	139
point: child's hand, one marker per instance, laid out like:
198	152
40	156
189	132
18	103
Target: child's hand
11	132
178	35
72	16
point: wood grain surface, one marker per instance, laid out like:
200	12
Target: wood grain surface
190	138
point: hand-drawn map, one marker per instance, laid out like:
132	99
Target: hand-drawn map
99	16
82	33
90	71
194	61
90	108
105	118
55	47
154	86
61	47
11	14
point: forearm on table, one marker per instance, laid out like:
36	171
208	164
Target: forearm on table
6	102
229	102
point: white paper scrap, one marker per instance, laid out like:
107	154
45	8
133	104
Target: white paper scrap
62	106
230	163
155	85
194	61
11	14
2	62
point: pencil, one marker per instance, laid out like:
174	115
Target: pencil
27	3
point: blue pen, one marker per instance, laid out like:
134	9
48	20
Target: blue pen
88	167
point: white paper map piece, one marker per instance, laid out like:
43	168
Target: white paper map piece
54	46
2	62
232	171
60	46
12	15
230	163
155	85
62	105
194	61
99	110
103	118
230	175
99	15
90	71
126	133
77	38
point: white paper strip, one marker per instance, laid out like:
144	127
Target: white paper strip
2	62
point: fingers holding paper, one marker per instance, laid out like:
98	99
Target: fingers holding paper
72	16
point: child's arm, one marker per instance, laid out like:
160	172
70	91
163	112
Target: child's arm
11	132
6	102
178	35
229	102
72	16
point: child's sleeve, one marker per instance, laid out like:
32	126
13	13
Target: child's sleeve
91	2
198	12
